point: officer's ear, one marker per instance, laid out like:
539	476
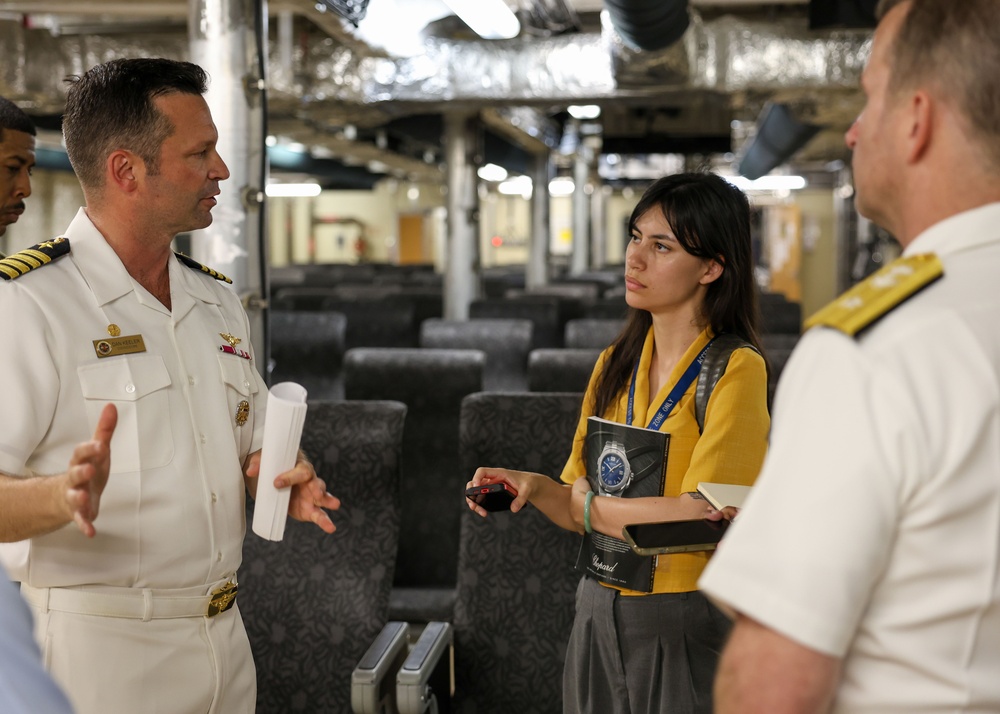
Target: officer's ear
124	170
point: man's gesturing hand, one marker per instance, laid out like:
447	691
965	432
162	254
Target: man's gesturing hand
88	472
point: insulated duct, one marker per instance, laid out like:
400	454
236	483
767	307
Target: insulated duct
649	25
727	54
779	135
329	84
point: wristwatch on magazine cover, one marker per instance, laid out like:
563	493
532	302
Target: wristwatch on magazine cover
614	473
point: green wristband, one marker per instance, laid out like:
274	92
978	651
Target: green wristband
586	512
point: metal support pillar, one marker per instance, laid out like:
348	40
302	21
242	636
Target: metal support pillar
222	36
537	270
598	229
579	260
460	136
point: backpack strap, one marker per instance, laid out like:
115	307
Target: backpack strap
712	370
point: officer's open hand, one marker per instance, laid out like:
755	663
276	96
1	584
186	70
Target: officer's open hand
309	495
88	472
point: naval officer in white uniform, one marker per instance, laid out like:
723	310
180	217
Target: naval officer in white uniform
128	545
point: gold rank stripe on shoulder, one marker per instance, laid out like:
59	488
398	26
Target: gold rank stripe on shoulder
192	263
879	293
16	265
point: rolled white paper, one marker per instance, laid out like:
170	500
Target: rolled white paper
286	413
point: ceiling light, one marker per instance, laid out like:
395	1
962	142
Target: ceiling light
517	186
584	111
767	183
292	189
490	19
561	186
492	172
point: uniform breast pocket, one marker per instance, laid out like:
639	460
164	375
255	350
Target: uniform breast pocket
241	388
137	386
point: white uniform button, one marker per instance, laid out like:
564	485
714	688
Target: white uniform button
130	388
203	439
219	556
191	381
215	498
246	385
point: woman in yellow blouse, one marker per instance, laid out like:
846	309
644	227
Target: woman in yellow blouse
688	278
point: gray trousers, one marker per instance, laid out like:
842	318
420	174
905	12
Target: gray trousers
641	655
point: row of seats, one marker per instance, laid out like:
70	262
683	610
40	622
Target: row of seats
381	316
496	282
309	348
598	293
432	382
427	554
314	603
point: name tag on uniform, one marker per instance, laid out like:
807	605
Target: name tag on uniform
126	345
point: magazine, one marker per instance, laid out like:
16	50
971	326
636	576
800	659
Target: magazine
626	462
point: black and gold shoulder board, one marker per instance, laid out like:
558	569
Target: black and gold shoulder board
192	263
14	266
879	293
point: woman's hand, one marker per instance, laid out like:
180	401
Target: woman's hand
520	481
729	513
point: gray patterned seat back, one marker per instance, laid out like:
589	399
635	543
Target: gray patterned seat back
777	349
779	315
592	332
385	322
505	342
431	383
561	370
516	581
544	311
313	602
308	348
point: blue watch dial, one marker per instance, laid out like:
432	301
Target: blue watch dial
612	470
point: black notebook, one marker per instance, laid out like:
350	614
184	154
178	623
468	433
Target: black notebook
625	462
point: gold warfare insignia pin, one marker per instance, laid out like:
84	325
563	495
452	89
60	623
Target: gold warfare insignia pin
242	412
231	348
114	330
129	344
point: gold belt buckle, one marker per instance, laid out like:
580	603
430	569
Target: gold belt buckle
223	598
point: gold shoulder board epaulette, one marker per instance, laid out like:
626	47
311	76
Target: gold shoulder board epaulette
879	293
14	266
192	263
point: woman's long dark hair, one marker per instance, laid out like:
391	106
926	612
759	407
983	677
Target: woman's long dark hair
710	219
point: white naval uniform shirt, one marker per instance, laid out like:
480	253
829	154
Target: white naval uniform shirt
172	515
873	532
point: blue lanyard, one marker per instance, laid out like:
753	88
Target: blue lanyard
675	394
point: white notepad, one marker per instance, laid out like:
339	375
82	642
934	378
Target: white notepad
721	495
286	414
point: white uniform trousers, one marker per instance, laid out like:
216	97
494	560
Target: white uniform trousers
114	665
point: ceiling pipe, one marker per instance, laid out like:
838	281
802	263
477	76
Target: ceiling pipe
649	25
779	134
